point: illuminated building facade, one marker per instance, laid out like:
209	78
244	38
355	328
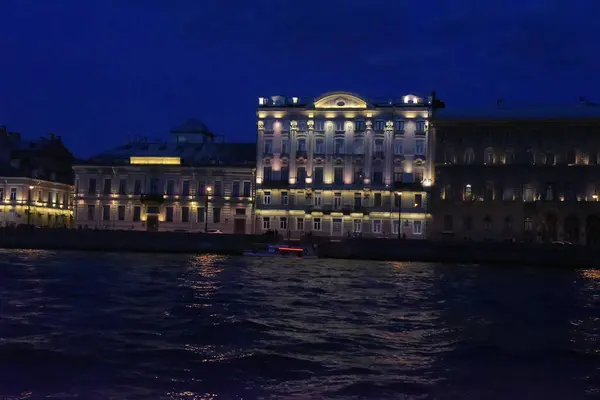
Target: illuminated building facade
340	164
36	181
520	174
193	183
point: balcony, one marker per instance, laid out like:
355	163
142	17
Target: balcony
301	154
409	186
276	184
152	198
379	154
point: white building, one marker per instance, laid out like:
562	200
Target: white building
189	183
340	164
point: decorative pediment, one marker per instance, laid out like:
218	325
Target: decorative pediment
340	100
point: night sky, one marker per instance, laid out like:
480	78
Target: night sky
96	71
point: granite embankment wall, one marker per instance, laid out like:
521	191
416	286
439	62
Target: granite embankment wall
134	241
506	254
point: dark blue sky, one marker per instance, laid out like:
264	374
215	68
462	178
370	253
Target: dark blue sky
95	71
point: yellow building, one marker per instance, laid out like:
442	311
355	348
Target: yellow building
189	183
341	164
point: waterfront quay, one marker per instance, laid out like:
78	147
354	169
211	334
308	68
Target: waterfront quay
530	254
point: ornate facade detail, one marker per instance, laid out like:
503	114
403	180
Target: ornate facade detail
261	125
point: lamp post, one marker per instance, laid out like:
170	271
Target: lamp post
29	204
399	214
208	190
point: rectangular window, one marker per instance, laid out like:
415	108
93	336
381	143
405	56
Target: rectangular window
284	198
247	189
153	210
267	174
106	213
336	227
285	174
357	200
137	213
65	199
399	125
398	148
240	211
200	214
92	186
338	175
299	224
337	200
170	187
420	126
379	125
137	187
377	200
169	214
339	126
218	188
357	225
285	146
318	175
266	223
154	186
121	213
1	194
49	198
318	199
283	223
359	126
359	146
235	189
420	147
316	224
319	146
185	188
319	125
185	214
107	186
338	146
377	177
216	215
301	175
418	200
395	227
376	226
301	144
357	177
417	228
123	186
91	212
13	194
201	189
268	146
267	198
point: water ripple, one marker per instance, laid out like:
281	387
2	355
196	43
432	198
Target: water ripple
99	326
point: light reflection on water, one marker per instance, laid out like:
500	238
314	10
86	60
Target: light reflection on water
203	327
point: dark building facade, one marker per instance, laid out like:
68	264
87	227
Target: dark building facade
529	175
36	180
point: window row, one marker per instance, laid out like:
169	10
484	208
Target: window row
358	175
168	187
528	156
376	225
341	125
526	193
341	147
359	200
35	195
185	214
487	223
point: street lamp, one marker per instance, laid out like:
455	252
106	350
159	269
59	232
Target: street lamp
208	190
29	204
399	214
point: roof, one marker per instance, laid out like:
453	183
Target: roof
581	110
191	154
193	125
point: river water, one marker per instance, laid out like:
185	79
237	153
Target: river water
130	326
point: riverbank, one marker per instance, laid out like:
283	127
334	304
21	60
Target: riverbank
354	249
130	241
545	255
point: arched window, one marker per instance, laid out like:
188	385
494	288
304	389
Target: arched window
488	156
469	156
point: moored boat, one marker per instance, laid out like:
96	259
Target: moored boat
280	251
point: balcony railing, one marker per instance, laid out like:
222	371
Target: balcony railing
156	198
276	184
378	154
301	154
409	186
